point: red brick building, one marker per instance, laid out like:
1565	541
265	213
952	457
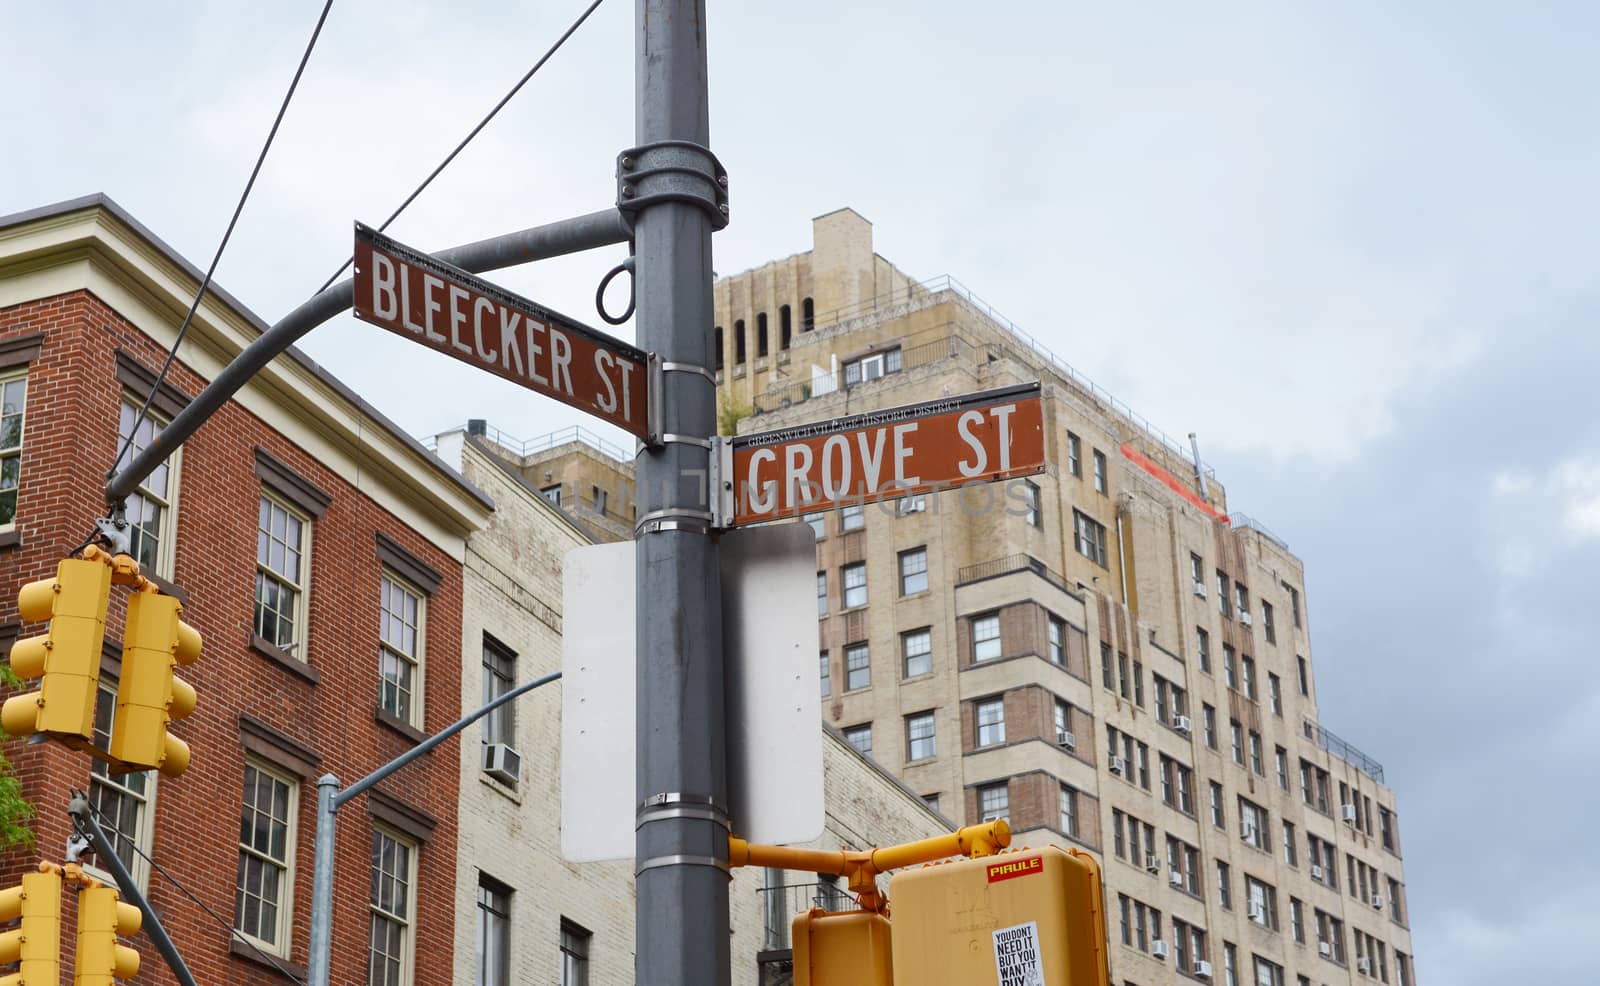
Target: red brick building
318	550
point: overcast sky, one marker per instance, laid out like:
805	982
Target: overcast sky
1351	244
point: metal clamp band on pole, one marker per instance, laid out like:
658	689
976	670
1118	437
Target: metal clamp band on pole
680	859
669	367
672	171
674	804
674	519
670	439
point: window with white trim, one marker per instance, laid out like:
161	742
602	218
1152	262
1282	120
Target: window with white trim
151	507
920	739
1030	504
916	652
860	737
994	801
282	575
264	893
986	637
400	650
124	804
857	667
854	579
392	904
13	405
991	720
1089	537
1058	641
822	594
913	571
852	517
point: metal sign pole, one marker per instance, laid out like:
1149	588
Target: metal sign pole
671	184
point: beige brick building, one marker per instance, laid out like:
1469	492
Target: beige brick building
1102	654
521	910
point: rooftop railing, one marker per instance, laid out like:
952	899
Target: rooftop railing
1243	521
943	283
543	443
996	567
1344	751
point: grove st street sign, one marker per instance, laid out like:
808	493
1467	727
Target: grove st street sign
919	448
445	308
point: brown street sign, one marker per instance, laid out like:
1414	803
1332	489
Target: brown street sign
919	448
461	315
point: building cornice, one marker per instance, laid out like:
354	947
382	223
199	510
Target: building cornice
92	244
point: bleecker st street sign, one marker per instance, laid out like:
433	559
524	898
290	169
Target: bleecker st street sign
937	445
445	308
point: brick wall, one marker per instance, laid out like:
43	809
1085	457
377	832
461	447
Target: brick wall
69	439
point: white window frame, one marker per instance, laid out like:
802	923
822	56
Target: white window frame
850	651
1089	537
100	778
166	505
910	584
852	517
285	904
822	594
1032	513
980	641
14	452
412	714
906	655
994	727
1002	809
845	588
408	923
853	733
299	643
915	722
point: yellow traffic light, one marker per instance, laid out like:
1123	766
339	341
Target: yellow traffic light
101	959
36	942
149	695
1015	919
846	949
67	656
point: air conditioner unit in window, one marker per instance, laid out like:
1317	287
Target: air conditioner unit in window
1324	948
1158	948
1066	739
1244	617
1247	832
1152	862
1202	969
1119	766
1175	878
1316	872
1349	812
1258	912
1377	901
1365	965
1200	589
501	762
1180	723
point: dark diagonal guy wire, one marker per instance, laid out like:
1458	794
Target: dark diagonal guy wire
189	894
206	282
473	133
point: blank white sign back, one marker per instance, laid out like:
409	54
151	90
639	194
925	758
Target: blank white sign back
770	643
